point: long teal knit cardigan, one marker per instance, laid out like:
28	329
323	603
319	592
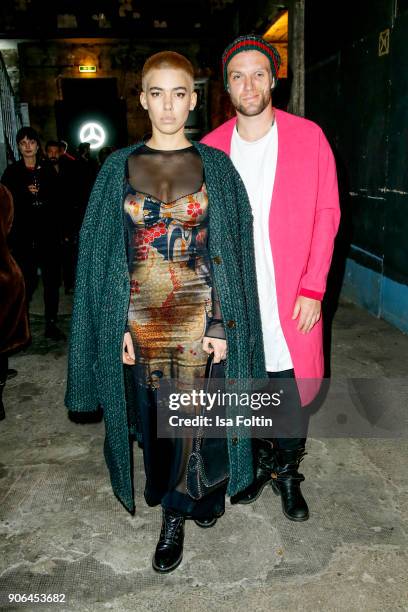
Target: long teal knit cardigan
95	370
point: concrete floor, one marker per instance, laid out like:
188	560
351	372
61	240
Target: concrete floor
62	531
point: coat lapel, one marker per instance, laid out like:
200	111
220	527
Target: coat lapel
224	143
277	218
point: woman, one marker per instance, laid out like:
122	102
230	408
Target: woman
35	239
165	248
14	329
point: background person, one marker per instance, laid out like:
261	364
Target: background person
14	327
87	170
63	149
104	154
35	239
67	188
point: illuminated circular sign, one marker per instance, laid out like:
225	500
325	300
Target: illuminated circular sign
93	133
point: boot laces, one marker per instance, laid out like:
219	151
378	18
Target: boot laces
171	528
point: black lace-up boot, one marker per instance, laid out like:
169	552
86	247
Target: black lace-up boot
169	549
286	483
265	468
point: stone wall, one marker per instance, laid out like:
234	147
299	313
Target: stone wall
44	65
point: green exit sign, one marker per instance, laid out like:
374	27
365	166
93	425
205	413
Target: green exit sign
87	69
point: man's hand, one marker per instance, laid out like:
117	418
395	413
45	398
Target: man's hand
308	311
128	353
216	346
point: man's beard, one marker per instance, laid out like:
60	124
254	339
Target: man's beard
264	101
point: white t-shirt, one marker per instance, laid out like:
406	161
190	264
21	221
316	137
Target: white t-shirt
256	163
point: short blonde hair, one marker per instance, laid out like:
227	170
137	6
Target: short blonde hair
167	59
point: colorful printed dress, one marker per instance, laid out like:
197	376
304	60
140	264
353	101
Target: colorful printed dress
172	304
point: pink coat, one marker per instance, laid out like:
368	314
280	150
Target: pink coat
303	221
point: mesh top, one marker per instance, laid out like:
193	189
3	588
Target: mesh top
165	175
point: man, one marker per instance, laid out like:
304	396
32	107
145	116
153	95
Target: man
63	150
69	205
52	151
35	238
87	170
289	172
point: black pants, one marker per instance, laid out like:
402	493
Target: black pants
292	418
46	256
3	367
165	464
69	260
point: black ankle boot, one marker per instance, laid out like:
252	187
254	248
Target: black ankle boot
169	549
2	411
265	467
286	483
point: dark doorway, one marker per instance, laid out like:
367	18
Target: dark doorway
92	89
91	101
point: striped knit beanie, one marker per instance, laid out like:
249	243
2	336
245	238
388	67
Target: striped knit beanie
251	43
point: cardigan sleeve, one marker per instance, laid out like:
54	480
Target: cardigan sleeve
326	224
237	192
81	395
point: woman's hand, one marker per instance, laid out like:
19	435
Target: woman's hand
216	346
128	354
